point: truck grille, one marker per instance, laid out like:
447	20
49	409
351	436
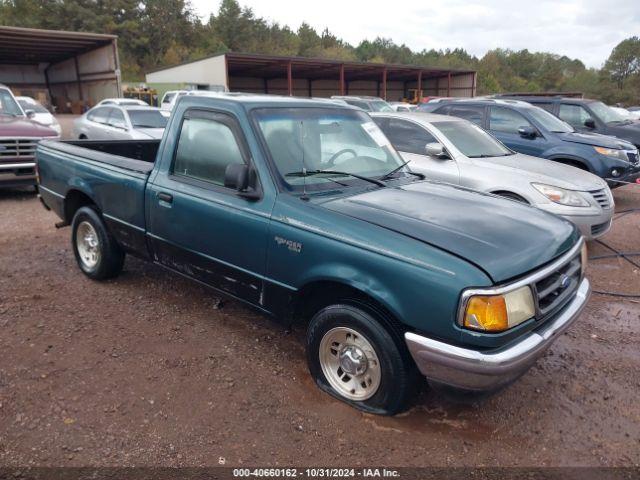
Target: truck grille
602	197
17	148
554	290
633	157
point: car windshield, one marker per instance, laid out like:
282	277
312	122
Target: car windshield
36	107
8	106
147	119
471	140
549	121
606	114
316	139
381	106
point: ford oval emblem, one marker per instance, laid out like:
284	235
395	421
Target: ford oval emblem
565	281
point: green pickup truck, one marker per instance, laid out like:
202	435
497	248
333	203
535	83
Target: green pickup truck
303	210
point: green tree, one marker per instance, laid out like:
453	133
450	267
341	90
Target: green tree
624	61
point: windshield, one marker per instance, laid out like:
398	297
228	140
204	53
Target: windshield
381	106
36	107
8	106
471	140
549	121
606	114
312	139
147	119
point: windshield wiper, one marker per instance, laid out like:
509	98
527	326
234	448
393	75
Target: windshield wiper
308	173
147	126
390	174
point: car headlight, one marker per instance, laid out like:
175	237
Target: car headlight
560	195
613	153
496	313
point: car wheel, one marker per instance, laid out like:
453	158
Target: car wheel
96	251
355	358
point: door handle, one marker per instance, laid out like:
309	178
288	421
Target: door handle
165	197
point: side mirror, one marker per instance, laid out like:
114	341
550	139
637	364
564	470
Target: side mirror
528	132
30	113
590	123
437	150
242	179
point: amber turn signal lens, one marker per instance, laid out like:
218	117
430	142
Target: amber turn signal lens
488	314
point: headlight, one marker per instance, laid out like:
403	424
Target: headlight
560	195
613	153
496	313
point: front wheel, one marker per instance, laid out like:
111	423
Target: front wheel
96	251
353	357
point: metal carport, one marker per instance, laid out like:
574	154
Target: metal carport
71	70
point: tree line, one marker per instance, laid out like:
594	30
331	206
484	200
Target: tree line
156	33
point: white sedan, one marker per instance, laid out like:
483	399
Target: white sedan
455	151
36	112
120	123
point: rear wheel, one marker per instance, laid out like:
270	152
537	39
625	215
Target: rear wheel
96	251
353	356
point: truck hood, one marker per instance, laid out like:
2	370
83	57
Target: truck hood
629	131
595	139
539	170
21	127
504	238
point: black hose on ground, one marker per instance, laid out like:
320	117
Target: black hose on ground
618	254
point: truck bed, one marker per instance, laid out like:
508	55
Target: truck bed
113	174
135	155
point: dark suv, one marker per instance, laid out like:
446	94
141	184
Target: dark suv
589	116
534	131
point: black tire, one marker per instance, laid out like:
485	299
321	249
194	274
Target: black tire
111	257
398	375
512	196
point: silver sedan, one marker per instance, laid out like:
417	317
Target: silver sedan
120	123
453	150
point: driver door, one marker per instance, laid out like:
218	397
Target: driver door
410	139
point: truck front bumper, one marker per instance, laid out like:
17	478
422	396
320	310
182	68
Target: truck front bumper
17	174
486	371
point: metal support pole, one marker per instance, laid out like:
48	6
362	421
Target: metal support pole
75	59
449	84
419	88
289	79
384	83
342	90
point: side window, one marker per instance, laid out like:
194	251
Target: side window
167	98
471	113
547	106
360	104
506	120
406	136
99	115
116	119
205	148
574	115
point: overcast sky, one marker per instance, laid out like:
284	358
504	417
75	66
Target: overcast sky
583	29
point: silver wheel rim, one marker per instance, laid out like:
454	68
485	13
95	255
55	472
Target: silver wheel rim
88	244
350	363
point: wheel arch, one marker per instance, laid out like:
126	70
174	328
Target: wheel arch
73	201
318	293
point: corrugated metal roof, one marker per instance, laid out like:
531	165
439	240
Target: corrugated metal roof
272	66
20	46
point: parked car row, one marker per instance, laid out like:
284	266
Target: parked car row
529	129
304	210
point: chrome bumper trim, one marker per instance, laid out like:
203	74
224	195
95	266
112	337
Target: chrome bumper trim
13	166
484	371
